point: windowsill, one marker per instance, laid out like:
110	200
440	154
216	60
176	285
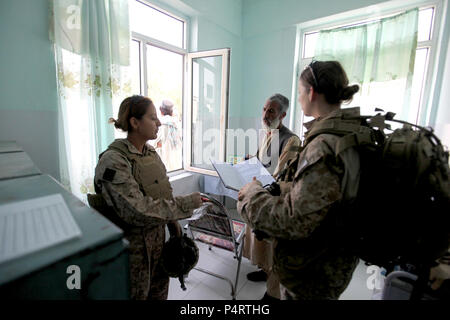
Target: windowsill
179	174
184	182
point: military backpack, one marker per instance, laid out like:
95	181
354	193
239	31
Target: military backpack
401	215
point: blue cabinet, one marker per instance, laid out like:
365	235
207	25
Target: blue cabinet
100	254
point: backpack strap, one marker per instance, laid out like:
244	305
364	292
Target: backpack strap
351	131
362	137
297	149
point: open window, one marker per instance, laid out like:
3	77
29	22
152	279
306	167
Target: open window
207	104
196	84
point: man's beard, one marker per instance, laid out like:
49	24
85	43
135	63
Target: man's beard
273	125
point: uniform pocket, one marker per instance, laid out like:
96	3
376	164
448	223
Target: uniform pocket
153	190
151	176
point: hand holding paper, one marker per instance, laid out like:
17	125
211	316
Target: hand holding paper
248	187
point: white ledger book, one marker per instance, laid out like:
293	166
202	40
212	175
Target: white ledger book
236	176
32	225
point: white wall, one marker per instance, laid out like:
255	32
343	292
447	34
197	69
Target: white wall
28	104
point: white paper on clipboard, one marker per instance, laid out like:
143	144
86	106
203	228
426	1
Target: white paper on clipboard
236	176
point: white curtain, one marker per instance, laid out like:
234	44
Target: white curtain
92	44
380	57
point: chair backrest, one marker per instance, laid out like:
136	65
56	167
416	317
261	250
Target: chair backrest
214	219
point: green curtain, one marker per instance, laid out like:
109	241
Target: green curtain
374	52
92	44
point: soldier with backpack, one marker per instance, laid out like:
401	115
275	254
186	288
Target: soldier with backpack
357	189
301	220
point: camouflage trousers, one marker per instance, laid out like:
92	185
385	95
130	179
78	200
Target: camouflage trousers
147	277
319	289
325	279
286	294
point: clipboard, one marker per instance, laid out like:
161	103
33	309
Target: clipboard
234	177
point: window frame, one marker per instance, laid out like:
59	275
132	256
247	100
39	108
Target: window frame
225	54
365	15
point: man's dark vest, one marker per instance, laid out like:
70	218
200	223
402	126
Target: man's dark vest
284	135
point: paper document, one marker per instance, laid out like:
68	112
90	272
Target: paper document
199	212
236	176
213	185
32	225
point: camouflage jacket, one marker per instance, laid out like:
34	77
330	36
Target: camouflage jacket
301	221
135	193
123	193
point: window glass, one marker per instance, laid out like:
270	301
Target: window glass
425	24
165	83
420	66
135	63
158	74
310	44
156	24
206	108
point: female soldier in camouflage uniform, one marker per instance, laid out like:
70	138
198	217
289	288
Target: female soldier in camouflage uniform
310	262
132	180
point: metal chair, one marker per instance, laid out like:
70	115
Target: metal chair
213	225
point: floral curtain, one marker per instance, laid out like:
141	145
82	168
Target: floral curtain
377	56
91	43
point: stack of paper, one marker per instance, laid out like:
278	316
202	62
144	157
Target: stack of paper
32	225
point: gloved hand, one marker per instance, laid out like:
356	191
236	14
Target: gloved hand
197	199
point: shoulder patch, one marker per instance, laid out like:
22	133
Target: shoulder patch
109	174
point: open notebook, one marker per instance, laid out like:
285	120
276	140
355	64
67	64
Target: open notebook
32	225
236	176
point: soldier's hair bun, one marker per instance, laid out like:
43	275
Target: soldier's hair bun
348	92
114	121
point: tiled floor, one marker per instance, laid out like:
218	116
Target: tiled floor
201	286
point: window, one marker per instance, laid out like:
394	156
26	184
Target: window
157	59
207	120
157	24
195	83
387	95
